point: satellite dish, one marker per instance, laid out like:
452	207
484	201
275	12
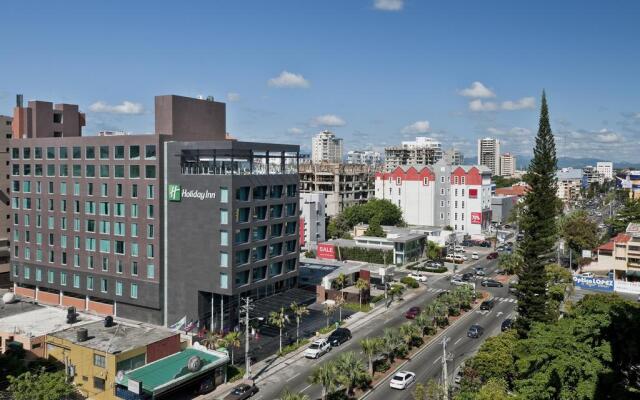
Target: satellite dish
120	376
9	298
194	363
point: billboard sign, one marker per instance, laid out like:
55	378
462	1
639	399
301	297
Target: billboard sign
301	229
326	251
177	193
476	218
593	283
627	287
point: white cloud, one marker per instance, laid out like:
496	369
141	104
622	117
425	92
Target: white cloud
479	105
417	127
233	96
295	131
513	132
328	120
477	89
388	5
523	103
607	136
288	79
126	107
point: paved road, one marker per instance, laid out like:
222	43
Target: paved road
295	375
428	364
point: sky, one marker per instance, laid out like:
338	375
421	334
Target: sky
375	72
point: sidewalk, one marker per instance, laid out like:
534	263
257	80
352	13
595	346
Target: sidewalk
271	366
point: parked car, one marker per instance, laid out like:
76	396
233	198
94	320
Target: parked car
317	348
402	379
475	331
587	274
467	276
418	277
485	244
457	281
242	392
492	256
506	324
339	336
487	304
475	256
513	287
480	271
491	283
460	258
459	249
412	313
433	264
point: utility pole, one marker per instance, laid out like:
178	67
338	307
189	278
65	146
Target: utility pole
246	307
384	280
445	375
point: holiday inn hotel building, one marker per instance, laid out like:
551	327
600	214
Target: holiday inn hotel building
155	228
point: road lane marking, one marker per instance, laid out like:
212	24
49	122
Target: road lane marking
305	388
457	341
437	360
293	377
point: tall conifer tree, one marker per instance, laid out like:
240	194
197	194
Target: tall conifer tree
539	224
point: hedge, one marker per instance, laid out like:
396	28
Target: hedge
375	256
426	269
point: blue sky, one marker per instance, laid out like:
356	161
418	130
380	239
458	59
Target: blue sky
374	71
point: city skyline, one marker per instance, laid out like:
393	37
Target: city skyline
450	73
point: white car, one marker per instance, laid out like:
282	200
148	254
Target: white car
587	275
460	257
418	277
402	380
458	249
475	256
456	280
317	348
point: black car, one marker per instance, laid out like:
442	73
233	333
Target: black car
339	336
487	304
485	244
380	286
491	283
506	324
467	276
242	392
475	331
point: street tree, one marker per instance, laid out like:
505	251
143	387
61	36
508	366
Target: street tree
289	395
361	285
328	311
375	229
411	334
299	311
341	282
433	250
579	232
232	341
212	340
393	343
371	347
326	376
40	386
279	319
494	389
511	263
351	371
630	212
539	225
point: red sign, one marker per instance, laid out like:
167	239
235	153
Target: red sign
326	251
301	231
473	193
476	218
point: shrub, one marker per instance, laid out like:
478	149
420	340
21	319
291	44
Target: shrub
234	373
377	298
410	282
356	307
381	365
310	254
375	256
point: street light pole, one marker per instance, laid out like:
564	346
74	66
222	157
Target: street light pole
445	375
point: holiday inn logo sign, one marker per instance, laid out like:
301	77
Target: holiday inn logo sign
177	193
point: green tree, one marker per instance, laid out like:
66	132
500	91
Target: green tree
279	319
341	282
494	389
371	347
495	358
375	229
539	225
212	340
361	285
40	386
431	391
232	341
328	311
326	376
411	334
433	250
351	371
299	311
392	343
511	263
579	232
630	212
289	395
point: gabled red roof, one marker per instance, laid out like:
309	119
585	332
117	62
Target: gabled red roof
620	238
515	190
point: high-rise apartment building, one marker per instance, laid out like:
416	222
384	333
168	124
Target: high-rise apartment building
454	157
507	165
155	227
5	216
422	151
326	147
312	220
489	154
368	157
605	168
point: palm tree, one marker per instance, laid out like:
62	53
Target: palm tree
409	333
279	320
422	322
212	340
361	285
339	304
328	311
392	343
351	371
431	314
289	395
232	340
371	347
299	311
325	375
341	281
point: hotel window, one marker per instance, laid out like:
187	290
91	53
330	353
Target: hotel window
89	152
77	170
51	153
134	152
150	151
76	281
118	288
134	230
150	231
104	171
134	290
134	268
119	153
119	266
134	191
118	171
77	153
76	188
26	153
134	210
119	228
134	171
292	190
224	217
224	195
63	278
89	207
105	264
119	247
52	256
51	170
89	282
38	170
119	210
242	193
50	276
150	171
63	153
276	191
150	211
151	271
76	260
90	262
27	169
104	208
27	272
224	238
105	227
224	280
224	259
134	249
150	192
15	153
38	153
90	244
150	252
63	188
104	152
103	285
64	170
118	189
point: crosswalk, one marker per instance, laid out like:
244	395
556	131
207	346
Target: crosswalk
436	290
506	299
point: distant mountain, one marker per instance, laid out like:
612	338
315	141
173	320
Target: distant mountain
563	162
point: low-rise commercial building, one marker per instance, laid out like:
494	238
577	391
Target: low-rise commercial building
342	185
622	256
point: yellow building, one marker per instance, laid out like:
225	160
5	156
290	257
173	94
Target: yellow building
93	354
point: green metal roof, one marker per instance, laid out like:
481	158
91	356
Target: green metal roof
163	374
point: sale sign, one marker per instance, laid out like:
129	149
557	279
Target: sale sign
476	218
326	251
